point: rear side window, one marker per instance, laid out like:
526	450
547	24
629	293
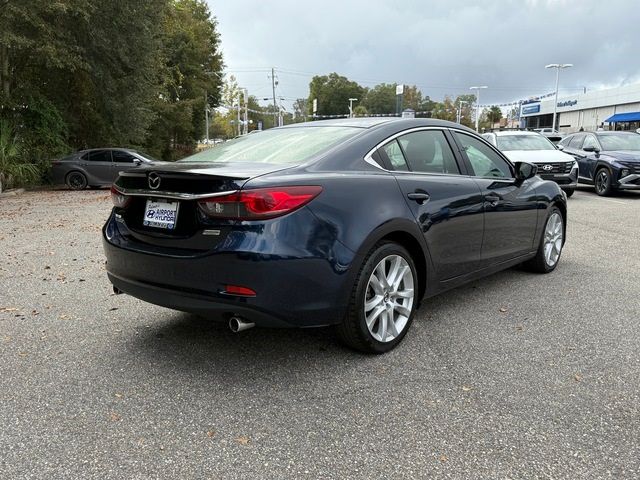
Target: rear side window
565	141
429	152
396	157
100	156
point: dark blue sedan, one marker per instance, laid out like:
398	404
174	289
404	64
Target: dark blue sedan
351	223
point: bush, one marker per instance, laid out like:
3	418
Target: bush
13	170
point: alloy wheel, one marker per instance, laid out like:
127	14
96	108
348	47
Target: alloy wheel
389	297
553	236
602	181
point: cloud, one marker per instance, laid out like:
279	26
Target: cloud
442	46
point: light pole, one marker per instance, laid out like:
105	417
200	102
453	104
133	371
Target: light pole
477	89
557	66
351	100
459	116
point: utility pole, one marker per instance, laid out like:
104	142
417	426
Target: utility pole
239	123
206	115
273	88
246	111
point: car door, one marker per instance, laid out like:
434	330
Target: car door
510	206
573	146
446	204
589	159
98	165
123	160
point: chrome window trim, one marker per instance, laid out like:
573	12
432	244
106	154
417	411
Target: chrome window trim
172	195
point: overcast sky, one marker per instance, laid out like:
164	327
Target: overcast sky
444	47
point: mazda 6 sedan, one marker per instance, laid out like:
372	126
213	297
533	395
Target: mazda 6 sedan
351	223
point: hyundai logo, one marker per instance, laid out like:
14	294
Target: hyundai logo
154	181
546	167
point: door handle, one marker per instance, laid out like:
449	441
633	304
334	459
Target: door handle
492	199
419	197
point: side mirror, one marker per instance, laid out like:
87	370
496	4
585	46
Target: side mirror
137	162
525	170
560	147
591	149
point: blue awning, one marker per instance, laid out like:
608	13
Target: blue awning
624	117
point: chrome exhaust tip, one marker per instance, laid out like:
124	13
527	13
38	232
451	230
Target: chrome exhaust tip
236	324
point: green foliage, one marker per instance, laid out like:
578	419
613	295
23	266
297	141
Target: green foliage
333	92
91	73
13	170
381	99
494	114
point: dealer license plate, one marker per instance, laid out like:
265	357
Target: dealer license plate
161	214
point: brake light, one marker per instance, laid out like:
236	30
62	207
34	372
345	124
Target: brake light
118	198
260	203
239	290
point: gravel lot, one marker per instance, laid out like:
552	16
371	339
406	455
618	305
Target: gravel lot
515	376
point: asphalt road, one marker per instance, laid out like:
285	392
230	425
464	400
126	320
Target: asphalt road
515	376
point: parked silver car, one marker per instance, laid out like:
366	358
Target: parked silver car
97	167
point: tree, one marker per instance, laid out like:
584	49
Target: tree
494	115
333	92
381	99
300	109
192	78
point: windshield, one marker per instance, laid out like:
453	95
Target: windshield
278	146
620	141
524	142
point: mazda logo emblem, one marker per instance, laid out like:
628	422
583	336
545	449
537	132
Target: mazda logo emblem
154	181
546	167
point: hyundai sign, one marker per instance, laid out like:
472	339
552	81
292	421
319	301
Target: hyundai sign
529	109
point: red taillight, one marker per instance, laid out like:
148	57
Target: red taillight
238	290
261	203
118	198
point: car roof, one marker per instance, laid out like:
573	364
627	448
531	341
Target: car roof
516	132
371	122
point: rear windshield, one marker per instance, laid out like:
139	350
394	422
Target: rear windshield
524	142
620	141
277	146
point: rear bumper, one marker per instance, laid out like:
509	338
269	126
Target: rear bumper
301	290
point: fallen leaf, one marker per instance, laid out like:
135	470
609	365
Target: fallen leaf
503	309
211	434
243	440
113	308
115	417
443	458
466	388
118	395
577	377
9	309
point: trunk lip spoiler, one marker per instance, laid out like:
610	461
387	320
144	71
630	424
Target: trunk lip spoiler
135	192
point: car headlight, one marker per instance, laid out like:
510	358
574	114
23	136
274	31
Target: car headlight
624	172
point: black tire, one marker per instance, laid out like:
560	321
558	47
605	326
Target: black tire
76	181
353	331
539	263
569	192
602	182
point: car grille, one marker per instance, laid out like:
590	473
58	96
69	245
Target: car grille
556	167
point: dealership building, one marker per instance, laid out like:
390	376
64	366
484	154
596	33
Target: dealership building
614	108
